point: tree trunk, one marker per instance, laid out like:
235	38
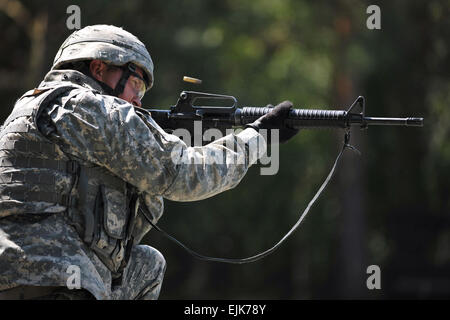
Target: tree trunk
351	281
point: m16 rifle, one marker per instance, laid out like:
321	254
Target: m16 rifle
187	113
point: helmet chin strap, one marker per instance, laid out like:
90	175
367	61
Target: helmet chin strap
127	70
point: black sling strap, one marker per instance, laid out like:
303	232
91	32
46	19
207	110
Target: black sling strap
278	244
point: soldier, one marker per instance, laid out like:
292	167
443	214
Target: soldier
82	167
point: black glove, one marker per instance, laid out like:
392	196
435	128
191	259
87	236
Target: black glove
275	120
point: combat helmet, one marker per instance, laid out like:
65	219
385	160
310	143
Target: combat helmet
108	43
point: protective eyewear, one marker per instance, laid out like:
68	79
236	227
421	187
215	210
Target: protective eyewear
138	84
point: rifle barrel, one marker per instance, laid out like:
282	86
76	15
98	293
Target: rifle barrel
409	122
310	118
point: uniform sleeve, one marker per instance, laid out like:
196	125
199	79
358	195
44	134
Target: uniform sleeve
108	132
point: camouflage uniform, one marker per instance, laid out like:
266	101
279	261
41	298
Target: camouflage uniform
75	166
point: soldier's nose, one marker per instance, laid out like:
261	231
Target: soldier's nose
136	101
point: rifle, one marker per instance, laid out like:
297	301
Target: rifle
186	112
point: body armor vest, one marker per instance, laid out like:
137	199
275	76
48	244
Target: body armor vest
35	175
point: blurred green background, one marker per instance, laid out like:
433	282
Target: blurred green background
388	207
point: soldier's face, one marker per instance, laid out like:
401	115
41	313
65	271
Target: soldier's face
130	93
111	76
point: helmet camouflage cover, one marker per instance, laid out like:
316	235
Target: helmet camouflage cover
108	43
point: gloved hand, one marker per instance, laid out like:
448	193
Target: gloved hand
274	120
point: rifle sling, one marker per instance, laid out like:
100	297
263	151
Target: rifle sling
278	244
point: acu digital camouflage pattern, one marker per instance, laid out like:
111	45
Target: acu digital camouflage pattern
38	241
111	44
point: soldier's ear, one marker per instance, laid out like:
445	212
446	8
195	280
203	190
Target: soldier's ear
97	67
